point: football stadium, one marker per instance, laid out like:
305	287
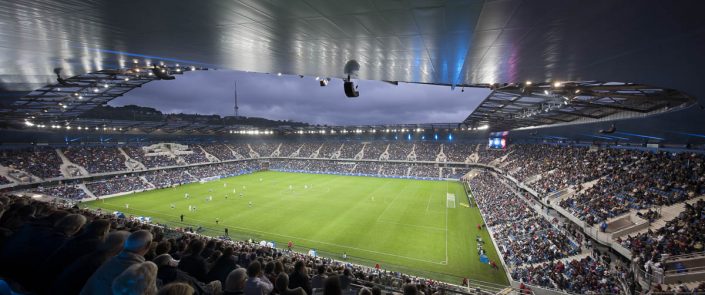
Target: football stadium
312	147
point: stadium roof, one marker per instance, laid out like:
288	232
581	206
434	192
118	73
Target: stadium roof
529	105
444	42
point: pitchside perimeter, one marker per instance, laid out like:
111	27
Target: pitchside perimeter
419	227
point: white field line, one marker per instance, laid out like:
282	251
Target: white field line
299	238
429	201
388	205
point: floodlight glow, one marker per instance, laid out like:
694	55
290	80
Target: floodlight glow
279	74
528	83
557	84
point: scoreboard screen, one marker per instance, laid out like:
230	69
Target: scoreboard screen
498	140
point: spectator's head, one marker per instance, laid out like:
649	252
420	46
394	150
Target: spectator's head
278	267
254	269
299	266
162	248
70	224
165	260
321	269
138	242
98	228
376	291
236	280
282	283
269	268
410	289
364	291
176	289
137	279
332	286
195	247
114	242
228	252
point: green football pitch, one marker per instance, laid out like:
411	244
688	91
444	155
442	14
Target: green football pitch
404	225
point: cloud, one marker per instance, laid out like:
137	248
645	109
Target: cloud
302	99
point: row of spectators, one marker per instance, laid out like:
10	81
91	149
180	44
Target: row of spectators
42	162
419	170
328	150
195	156
241	150
96	159
651	179
66	191
399	150
222	169
265	149
4	180
373	150
681	235
306	150
535	248
288	150
369	168
350	150
456	173
426	151
522	235
117	184
49	250
458	152
169	177
158	178
220	151
153	160
588	275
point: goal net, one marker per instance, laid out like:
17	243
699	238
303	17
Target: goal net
450	200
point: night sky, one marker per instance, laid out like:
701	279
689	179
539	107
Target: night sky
302	99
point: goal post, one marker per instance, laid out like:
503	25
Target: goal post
450	200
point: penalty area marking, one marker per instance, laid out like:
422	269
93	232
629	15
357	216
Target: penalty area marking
299	238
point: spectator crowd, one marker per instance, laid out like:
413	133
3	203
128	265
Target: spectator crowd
47	249
96	159
522	235
42	162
